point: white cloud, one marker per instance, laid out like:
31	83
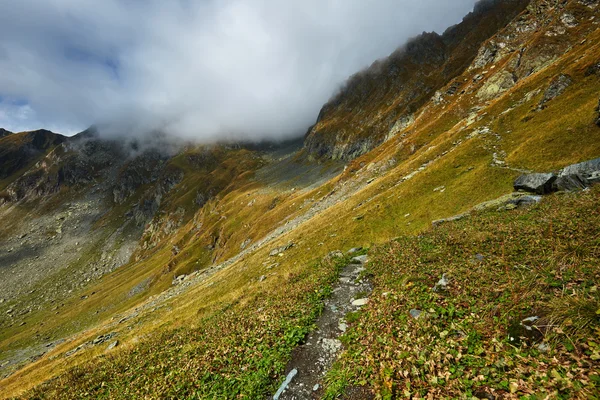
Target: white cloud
204	69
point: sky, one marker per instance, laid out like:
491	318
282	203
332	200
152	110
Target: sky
202	69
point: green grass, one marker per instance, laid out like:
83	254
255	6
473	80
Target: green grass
534	262
238	351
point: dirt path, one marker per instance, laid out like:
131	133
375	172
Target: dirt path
316	356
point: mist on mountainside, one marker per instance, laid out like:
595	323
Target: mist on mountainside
233	69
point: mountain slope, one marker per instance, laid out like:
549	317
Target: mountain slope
252	238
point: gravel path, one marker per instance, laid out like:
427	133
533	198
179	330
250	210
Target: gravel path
315	357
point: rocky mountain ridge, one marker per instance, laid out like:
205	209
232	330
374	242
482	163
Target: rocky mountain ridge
517	38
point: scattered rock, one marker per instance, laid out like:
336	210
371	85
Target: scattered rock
262	278
535	183
442	284
360	259
332	346
354	250
543	347
450	219
360	302
285	384
334	254
415	313
112	345
342	326
526	200
103	338
568	20
280	250
179	279
245	243
316	387
556	88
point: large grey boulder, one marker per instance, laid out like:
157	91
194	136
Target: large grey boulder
535	183
578	176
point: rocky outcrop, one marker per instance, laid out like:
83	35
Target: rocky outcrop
4	132
535	183
556	88
578	176
19	150
574	177
353	123
141	170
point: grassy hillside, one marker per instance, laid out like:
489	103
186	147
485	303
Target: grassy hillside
503	267
229	330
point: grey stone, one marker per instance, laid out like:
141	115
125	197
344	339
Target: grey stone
442	284
535	183
285	383
526	200
570	183
112	345
556	88
360	302
543	347
316	387
415	313
450	219
583	168
578	176
280	250
354	250
360	259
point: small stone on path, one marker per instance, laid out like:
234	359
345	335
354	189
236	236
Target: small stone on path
360	302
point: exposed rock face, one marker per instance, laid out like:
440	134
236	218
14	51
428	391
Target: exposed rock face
556	88
22	149
4	132
535	183
578	176
141	170
352	123
479	60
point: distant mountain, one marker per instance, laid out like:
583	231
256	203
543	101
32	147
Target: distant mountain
4	132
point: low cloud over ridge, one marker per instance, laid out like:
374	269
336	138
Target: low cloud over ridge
202	69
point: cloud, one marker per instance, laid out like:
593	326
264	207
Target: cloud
203	69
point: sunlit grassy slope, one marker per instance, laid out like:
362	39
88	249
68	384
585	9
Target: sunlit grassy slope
232	334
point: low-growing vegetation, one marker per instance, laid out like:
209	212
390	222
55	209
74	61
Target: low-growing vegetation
236	352
519	318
